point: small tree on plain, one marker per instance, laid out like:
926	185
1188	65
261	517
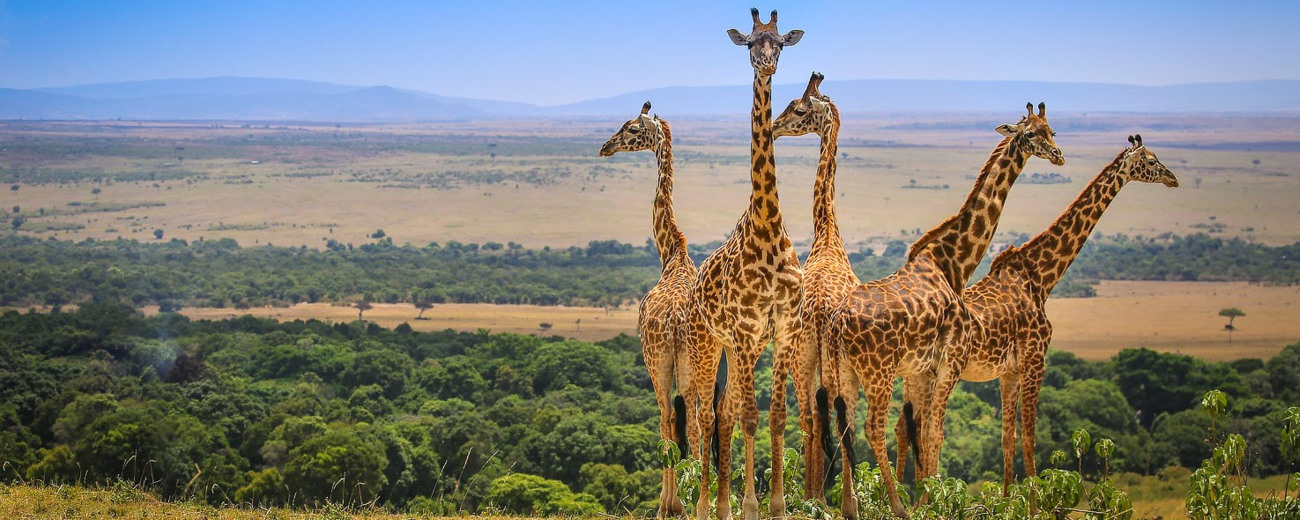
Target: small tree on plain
1232	313
423	304
362	306
544	326
158	234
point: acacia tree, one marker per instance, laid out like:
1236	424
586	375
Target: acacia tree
1232	313
423	303
362	306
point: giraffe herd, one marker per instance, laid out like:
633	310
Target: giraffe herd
835	334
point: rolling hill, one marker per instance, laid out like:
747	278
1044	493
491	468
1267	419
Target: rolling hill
296	100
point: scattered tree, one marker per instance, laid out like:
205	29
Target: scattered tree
1232	313
423	304
17	208
578	322
17	222
362	306
544	326
378	234
158	234
96	192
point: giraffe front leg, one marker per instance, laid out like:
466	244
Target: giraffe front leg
704	402
787	328
1031	384
810	410
1010	386
746	407
726	424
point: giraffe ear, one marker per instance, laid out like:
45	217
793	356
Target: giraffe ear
738	37
793	37
1008	129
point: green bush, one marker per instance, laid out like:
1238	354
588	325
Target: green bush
525	494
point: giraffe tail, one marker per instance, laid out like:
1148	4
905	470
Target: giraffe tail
824	418
909	419
679	424
846	432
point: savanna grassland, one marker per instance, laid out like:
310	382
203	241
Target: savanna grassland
539	184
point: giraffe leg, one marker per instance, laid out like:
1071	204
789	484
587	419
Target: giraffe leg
879	391
805	348
846	384
1031	383
786	329
745	404
685	372
726	425
915	396
703	384
659	360
1010	386
945	380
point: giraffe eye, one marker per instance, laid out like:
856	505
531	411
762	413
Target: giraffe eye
800	112
633	129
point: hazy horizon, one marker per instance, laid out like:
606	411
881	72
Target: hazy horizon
584	50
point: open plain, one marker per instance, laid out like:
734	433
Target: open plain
539	183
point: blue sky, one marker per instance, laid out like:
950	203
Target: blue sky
558	52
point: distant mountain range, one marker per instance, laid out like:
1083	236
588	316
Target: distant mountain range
266	99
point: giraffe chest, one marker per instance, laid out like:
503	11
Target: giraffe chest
739	291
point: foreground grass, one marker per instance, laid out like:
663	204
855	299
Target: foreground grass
1152	498
24	502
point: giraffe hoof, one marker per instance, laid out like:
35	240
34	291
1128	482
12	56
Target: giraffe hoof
777	508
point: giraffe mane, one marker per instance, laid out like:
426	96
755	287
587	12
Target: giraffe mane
933	234
668	132
835	111
1015	252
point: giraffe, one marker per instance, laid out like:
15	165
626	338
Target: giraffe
1009	301
664	312
912	323
747	288
827	277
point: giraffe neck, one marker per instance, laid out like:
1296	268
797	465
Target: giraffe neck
1045	257
764	206
668	237
826	229
958	244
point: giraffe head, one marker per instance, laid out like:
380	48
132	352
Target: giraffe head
643	132
1033	135
811	113
1137	163
764	43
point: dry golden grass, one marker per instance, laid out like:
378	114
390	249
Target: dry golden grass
1180	317
266	206
596	324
